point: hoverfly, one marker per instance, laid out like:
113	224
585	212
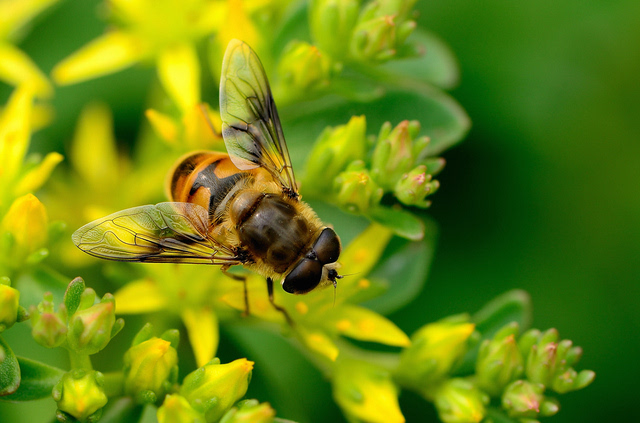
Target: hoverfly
240	208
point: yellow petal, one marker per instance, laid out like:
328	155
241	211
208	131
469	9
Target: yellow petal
17	68
202	328
365	325
14	132
109	53
163	125
179	72
42	115
14	14
141	296
94	152
38	175
27	221
318	342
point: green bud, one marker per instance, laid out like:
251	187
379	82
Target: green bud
9	307
374	40
413	188
250	411
302	69
90	329
499	361
176	409
393	155
80	394
435	350
332	152
49	328
331	23
357	191
365	392
151	366
459	401
524	399
400	8
214	388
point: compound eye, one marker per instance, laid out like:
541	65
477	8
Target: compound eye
304	277
327	247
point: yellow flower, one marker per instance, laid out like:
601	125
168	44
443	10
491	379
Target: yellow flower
162	31
15	132
27	222
16	68
81	394
366	393
9	299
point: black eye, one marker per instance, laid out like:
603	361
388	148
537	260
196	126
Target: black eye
304	277
327	247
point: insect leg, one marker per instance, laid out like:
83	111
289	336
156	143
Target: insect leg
277	307
242	279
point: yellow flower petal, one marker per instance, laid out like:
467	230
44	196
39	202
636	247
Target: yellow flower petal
14	132
17	68
107	54
27	221
364	252
365	325
41	116
14	14
179	72
203	128
202	328
318	342
141	296
94	152
366	392
38	175
163	125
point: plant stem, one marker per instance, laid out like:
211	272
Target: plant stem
79	361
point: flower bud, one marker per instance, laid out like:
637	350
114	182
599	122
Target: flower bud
499	361
214	388
90	329
524	399
459	401
80	394
9	299
413	187
250	411
392	156
365	392
49	327
435	350
357	192
27	222
331	23
176	409
332	152
150	366
374	40
303	68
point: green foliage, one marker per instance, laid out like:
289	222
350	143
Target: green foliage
336	65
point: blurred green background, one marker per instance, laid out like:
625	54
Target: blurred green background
543	194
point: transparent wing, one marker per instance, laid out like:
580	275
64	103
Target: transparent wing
164	233
250	124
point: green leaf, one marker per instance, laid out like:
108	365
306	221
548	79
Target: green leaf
9	370
400	221
37	380
73	294
436	64
403	268
512	306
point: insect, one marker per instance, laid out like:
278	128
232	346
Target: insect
240	208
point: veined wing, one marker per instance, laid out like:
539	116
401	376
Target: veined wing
161	233
250	124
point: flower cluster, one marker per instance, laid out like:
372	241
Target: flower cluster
400	164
